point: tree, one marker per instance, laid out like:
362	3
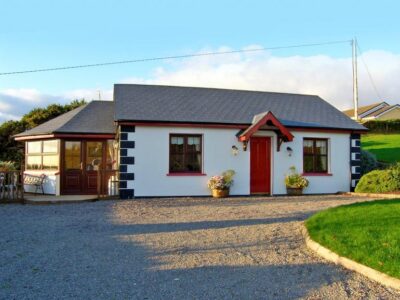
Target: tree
10	150
38	116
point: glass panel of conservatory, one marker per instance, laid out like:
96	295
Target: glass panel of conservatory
34	147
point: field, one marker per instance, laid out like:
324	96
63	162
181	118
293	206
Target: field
368	233
386	147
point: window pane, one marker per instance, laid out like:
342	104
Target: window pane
177	145
33	162
308	146
50	146
34	147
50	162
177	162
94	155
321	163
321	147
193	162
308	164
72	155
194	143
111	162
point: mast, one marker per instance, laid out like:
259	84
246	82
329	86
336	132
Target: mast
355	79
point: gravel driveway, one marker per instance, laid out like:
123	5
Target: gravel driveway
244	248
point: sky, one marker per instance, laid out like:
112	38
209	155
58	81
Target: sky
45	34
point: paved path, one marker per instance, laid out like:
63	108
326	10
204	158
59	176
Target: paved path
240	248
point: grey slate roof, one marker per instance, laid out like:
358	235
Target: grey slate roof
96	117
152	103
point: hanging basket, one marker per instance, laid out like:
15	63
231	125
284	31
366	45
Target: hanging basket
220	193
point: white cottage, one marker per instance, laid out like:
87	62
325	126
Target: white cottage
168	140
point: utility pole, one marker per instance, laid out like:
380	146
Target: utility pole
355	79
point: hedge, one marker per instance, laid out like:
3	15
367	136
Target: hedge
368	162
380	181
384	126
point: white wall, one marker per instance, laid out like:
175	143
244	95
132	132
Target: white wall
152	162
338	156
51	184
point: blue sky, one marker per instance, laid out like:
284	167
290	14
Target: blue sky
39	34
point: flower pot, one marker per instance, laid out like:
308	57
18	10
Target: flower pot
294	191
220	193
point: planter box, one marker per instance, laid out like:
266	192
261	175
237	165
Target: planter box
294	191
220	193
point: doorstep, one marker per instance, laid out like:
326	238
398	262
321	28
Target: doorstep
52	199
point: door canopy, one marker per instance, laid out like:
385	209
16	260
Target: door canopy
270	122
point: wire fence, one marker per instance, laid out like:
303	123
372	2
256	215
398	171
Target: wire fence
11	186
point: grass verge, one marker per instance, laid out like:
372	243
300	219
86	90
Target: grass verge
367	232
386	147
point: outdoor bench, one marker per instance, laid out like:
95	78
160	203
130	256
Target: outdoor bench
35	180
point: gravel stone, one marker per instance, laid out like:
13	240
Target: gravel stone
175	248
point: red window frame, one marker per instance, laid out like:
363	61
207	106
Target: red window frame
315	155
186	152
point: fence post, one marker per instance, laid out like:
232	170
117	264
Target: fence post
98	183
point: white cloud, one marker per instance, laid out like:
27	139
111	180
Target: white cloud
28	95
8	117
4	107
14	103
328	77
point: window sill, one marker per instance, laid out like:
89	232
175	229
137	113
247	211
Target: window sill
56	172
186	174
316	174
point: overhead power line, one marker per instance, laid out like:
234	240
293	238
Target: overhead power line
169	57
369	73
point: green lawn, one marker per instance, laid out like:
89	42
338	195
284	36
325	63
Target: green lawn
386	147
367	232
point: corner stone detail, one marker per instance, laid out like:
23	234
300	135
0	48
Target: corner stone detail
355	160
125	161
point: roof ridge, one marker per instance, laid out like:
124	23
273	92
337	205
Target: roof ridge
213	88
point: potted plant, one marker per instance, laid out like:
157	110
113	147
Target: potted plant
295	183
220	184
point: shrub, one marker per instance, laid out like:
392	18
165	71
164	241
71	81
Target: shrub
380	181
368	162
384	126
395	171
6	166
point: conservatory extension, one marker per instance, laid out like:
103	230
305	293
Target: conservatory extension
74	159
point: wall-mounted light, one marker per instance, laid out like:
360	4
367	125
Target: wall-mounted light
289	150
235	150
245	145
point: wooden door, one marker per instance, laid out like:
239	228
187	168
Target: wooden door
260	165
93	162
72	173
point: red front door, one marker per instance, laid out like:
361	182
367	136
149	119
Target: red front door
260	165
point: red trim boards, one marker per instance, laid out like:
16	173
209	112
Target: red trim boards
263	119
